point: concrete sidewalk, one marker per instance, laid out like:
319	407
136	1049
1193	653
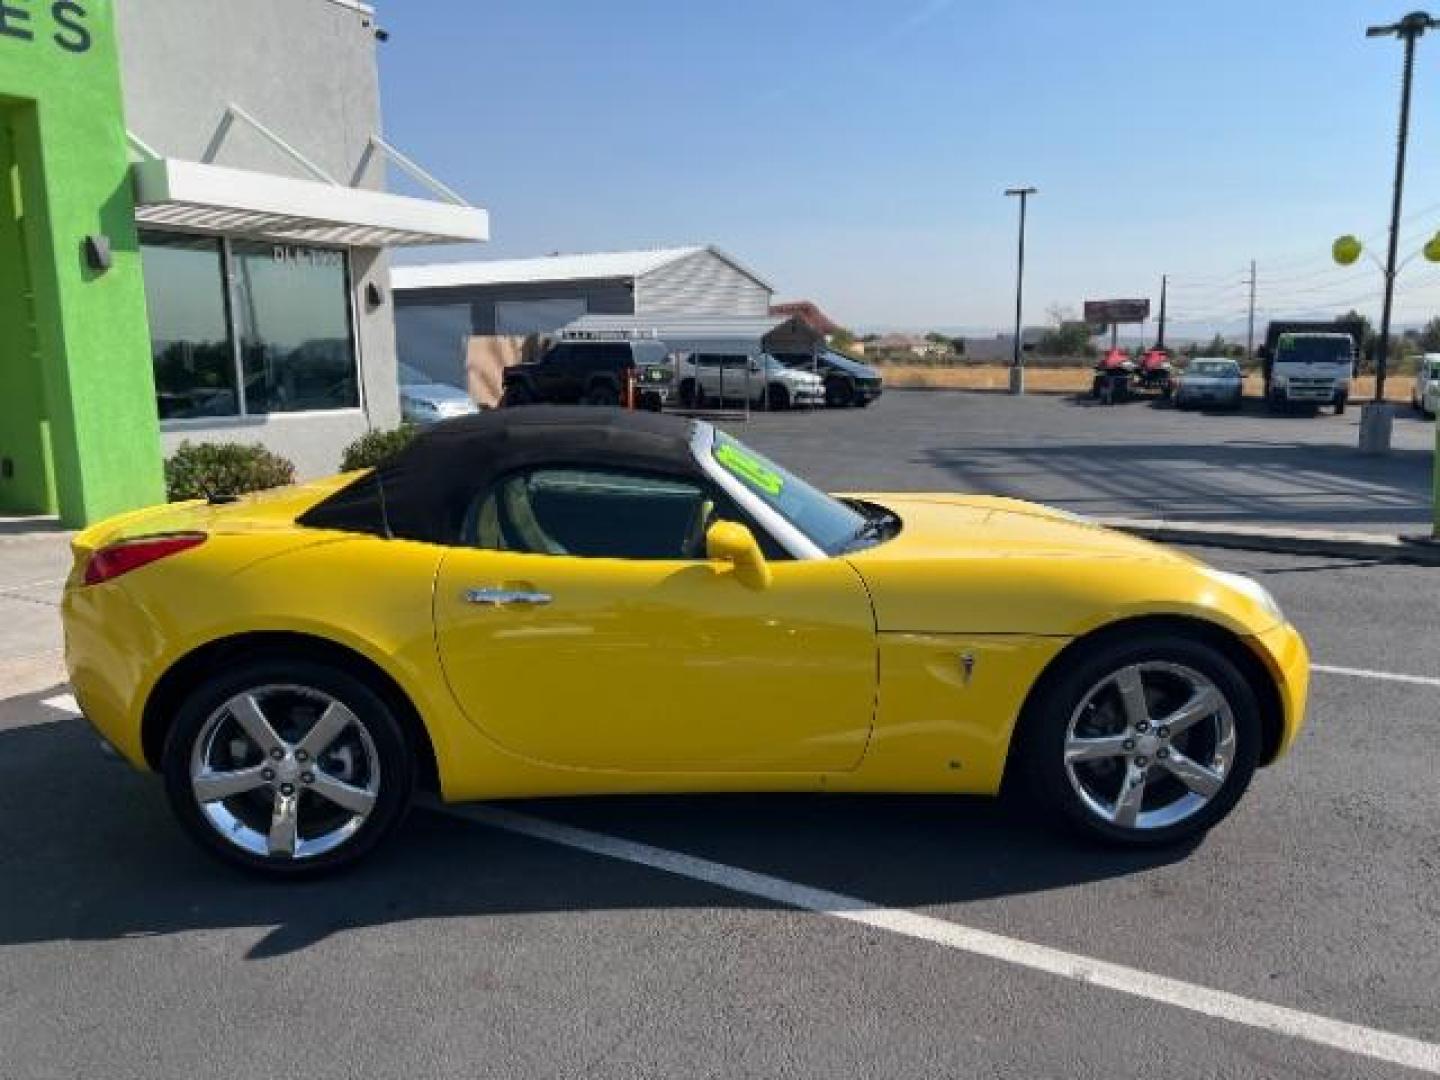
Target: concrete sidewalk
34	559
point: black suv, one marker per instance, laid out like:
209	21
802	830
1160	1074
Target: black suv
847	381
592	373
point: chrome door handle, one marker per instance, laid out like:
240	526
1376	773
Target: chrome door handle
506	597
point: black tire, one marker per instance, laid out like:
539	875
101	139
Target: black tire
396	763
863	402
839	394
516	394
777	398
603	395
1041	770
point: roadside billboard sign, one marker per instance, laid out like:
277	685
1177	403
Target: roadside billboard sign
1113	312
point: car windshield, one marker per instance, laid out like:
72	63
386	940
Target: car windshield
833	526
1214	368
1298	349
410	376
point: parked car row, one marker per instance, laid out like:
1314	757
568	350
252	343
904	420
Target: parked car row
1214	381
607	372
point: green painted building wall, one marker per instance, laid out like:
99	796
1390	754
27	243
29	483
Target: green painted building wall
79	435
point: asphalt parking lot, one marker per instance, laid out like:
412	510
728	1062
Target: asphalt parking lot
1137	459
690	939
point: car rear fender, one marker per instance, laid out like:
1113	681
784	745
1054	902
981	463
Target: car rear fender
195	667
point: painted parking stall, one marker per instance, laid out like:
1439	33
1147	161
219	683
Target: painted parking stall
977	906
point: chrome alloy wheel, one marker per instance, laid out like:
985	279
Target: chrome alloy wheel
1150	745
285	772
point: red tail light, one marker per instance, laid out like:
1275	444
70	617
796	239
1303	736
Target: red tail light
111	561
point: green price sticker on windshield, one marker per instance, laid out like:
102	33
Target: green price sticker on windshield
749	468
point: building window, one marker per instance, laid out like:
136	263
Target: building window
279	339
189	327
292	307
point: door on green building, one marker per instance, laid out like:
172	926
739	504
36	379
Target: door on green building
27	483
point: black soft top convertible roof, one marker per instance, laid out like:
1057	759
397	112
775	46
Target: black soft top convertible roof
424	491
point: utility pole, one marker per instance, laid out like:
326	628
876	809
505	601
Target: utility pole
1250	324
1408	30
1375	420
1160	334
1017	359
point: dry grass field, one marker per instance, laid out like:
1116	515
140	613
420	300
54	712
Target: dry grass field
1076	379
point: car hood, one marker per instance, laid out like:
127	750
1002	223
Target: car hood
851	367
434	392
982	564
1210	380
949	526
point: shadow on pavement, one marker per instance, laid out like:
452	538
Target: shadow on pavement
89	853
1233	481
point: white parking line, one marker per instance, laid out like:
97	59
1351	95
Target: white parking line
1352	1038
1384	676
66	703
1219	1004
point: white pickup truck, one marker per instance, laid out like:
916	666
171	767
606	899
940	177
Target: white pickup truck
1310	369
704	377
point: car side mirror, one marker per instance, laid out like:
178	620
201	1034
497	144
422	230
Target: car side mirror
730	542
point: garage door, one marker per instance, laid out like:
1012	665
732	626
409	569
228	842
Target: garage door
520	317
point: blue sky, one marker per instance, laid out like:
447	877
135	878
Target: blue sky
854	152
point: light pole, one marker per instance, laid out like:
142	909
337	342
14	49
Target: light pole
1017	359
1375	419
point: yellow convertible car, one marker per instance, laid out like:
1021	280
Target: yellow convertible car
553	601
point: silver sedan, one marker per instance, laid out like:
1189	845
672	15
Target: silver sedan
1214	381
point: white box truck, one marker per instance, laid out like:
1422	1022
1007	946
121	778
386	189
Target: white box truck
1310	364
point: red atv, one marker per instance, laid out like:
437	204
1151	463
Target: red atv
1113	373
1156	372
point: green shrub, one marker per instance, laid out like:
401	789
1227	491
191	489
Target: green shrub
205	470
375	446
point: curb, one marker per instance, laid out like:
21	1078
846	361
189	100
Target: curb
1381	547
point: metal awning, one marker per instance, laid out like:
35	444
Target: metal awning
702	333
211	198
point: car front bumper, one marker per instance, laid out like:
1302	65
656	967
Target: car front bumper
1203	396
807	395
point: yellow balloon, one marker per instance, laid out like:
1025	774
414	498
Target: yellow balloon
1346	250
1432	248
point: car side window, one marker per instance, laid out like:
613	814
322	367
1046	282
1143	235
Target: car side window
602	514
593	513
